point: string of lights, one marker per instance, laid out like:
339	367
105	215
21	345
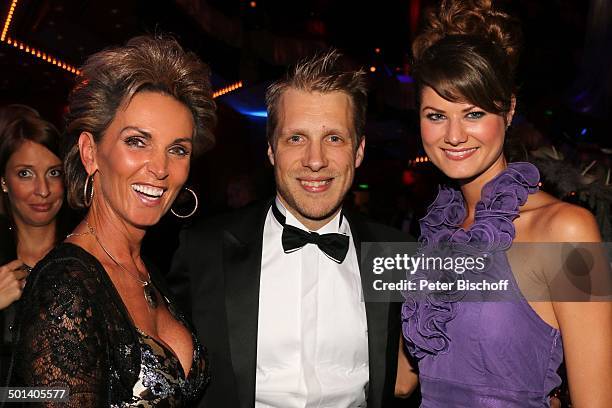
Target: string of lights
418	159
227	89
28	49
42	55
8	20
53	60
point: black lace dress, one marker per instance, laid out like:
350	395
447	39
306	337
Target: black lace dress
73	330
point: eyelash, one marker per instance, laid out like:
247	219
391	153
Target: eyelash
435	117
134	141
138	142
182	151
24	173
478	114
298	138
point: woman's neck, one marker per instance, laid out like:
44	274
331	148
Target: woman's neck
472	188
119	238
33	243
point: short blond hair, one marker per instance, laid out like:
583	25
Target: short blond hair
327	72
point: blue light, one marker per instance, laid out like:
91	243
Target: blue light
581	96
405	79
583	132
254	113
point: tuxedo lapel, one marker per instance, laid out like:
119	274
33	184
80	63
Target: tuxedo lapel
242	246
377	316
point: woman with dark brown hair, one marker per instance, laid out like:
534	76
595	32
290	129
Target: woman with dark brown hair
32	196
494	353
95	317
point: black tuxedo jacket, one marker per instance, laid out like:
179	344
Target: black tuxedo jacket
215	276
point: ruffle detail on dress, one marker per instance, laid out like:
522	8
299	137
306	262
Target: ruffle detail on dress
424	320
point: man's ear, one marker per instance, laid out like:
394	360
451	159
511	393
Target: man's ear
360	152
87	150
510	113
270	153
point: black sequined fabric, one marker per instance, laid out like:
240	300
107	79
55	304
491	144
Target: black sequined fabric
73	330
161	382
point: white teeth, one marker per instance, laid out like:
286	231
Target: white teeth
314	183
148	190
459	153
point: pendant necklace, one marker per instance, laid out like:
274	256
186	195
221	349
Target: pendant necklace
149	292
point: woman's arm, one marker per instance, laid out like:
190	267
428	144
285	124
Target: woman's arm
407	378
586	327
59	341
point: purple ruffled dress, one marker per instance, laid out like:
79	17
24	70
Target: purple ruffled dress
482	354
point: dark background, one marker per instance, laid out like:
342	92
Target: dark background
564	98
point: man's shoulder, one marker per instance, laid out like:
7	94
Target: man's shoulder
244	218
370	230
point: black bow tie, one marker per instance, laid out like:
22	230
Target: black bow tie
334	245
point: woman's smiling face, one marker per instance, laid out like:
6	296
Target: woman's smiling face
461	139
143	158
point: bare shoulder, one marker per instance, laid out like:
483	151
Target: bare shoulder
549	219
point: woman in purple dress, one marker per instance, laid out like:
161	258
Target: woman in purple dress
494	354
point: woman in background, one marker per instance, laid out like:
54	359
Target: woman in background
96	318
494	354
32	196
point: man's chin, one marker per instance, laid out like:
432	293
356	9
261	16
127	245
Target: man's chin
316	209
318	213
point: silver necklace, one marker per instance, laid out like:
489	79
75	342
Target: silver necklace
149	293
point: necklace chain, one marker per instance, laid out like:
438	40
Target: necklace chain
148	290
133	275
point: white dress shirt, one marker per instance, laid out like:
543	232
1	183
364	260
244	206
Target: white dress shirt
312	342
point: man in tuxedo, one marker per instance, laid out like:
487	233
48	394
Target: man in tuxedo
275	290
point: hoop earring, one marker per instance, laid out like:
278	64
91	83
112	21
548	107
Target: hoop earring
194	208
86	201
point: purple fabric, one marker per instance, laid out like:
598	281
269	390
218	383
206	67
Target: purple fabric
481	354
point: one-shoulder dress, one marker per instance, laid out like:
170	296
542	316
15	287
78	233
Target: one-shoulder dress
497	354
